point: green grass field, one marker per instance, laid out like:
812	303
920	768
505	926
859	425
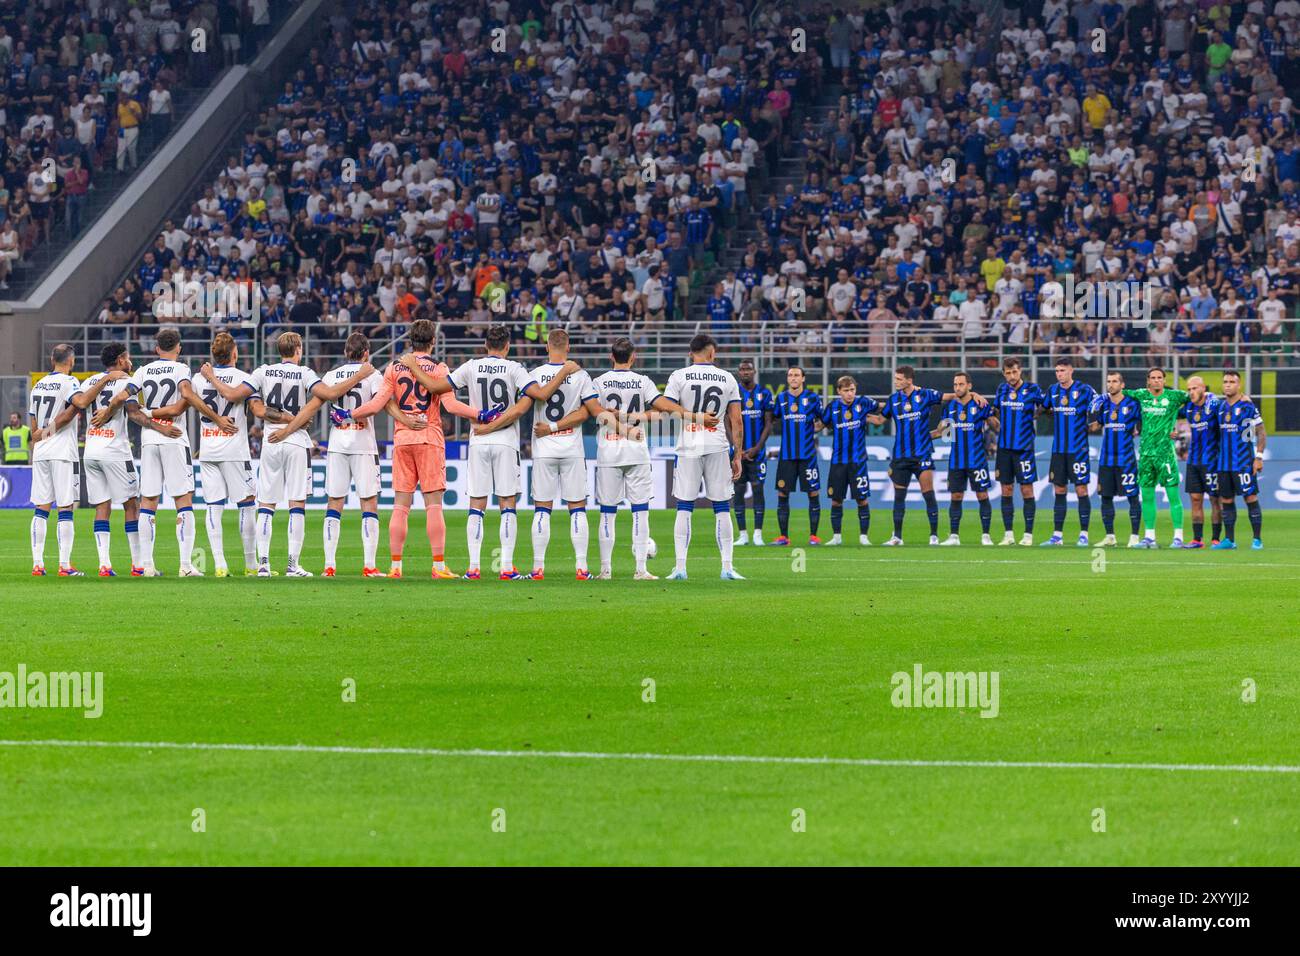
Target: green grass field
1140	662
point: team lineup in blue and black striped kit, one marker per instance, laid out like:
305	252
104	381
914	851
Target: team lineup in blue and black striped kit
1226	441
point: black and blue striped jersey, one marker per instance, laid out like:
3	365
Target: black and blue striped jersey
1237	423
968	424
911	415
1069	406
755	404
848	424
1015	408
1120	421
798	414
1203	424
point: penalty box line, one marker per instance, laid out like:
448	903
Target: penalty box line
659	757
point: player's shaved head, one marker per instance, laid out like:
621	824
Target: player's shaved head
355	348
111	353
62	355
497	338
622	351
168	340
223	348
288	344
421	335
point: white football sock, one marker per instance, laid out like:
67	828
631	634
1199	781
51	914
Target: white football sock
682	538
102	539
297	532
726	538
330	532
148	535
40	525
580	535
216	544
265	519
65	532
248	533
474	537
509	530
370	537
640	537
185	530
541	538
606	538
133	541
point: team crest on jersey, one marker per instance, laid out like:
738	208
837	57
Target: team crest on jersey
1164	403
1114	416
961	417
749	403
1013	396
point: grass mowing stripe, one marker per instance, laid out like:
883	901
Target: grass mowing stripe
681	758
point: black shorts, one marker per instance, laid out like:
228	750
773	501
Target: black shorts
754	470
850	479
976	479
1234	483
40	210
1113	481
798	474
1017	467
1202	480
1070	468
902	470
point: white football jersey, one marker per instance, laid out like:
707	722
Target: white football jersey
109	441
158	384
703	388
214	444
577	388
51	395
287	387
491	381
353	438
622	390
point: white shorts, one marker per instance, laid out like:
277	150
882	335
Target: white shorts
713	469
616	482
55	483
560	479
284	474
493	470
166	468
116	482
228	481
342	471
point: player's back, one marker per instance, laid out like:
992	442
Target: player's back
629	393
159	385
491	381
416	401
109	441
214	444
351	437
286	386
50	396
576	389
700	389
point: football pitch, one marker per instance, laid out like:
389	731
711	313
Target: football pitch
1147	706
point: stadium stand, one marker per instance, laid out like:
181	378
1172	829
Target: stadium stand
96	86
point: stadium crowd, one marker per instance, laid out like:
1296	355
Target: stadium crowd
80	81
580	173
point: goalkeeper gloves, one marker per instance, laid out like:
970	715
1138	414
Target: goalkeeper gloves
488	415
340	416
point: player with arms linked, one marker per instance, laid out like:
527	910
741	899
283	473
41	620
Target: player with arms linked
1241	459
963	422
756	414
1068	401
1202	415
799	411
1017	402
1119	419
846	417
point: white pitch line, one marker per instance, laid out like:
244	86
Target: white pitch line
1084	555
671	758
